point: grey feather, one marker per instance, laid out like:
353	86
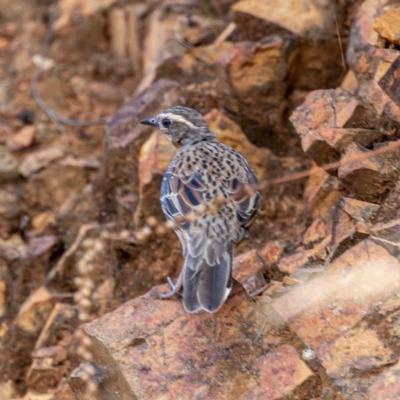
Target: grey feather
215	283
190	283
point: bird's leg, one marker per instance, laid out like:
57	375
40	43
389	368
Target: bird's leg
175	287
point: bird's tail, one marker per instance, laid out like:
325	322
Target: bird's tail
207	286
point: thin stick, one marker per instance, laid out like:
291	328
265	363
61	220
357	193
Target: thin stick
338	34
54	116
337	164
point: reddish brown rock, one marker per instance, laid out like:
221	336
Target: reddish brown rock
322	192
390	82
271	252
247	270
318	230
362	34
257	73
350	82
386	385
361	211
282	16
388	25
289	264
360	349
278	374
34	312
325	308
22	139
339	138
343	228
393	328
364	178
382	110
152	347
324	110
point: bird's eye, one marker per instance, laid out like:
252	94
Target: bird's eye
166	122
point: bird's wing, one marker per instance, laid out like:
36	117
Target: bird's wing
180	195
245	196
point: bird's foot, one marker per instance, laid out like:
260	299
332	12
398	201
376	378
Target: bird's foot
175	287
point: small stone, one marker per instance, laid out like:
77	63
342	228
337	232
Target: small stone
13	248
34	311
271	252
22	139
245	266
8	165
308	354
38	160
8	390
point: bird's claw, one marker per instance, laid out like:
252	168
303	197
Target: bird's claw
174	287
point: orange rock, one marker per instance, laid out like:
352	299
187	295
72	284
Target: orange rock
289	264
364	178
322	110
152	347
318	230
362	32
350	82
279	373
360	349
22	139
247	270
246	265
357	209
271	252
322	192
34	311
343	227
328	306
388	25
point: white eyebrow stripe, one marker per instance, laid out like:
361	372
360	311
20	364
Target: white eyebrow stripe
178	118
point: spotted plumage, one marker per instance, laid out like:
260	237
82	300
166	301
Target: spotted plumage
216	184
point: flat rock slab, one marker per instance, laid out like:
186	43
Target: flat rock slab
325	311
153	349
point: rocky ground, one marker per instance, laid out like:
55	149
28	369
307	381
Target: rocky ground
315	310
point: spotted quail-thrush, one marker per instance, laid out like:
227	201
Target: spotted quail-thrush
214	183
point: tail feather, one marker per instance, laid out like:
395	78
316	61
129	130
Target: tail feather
190	284
209	286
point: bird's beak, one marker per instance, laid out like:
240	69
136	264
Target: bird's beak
149	121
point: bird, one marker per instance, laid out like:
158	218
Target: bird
209	193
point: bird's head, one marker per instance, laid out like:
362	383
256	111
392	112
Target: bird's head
182	125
